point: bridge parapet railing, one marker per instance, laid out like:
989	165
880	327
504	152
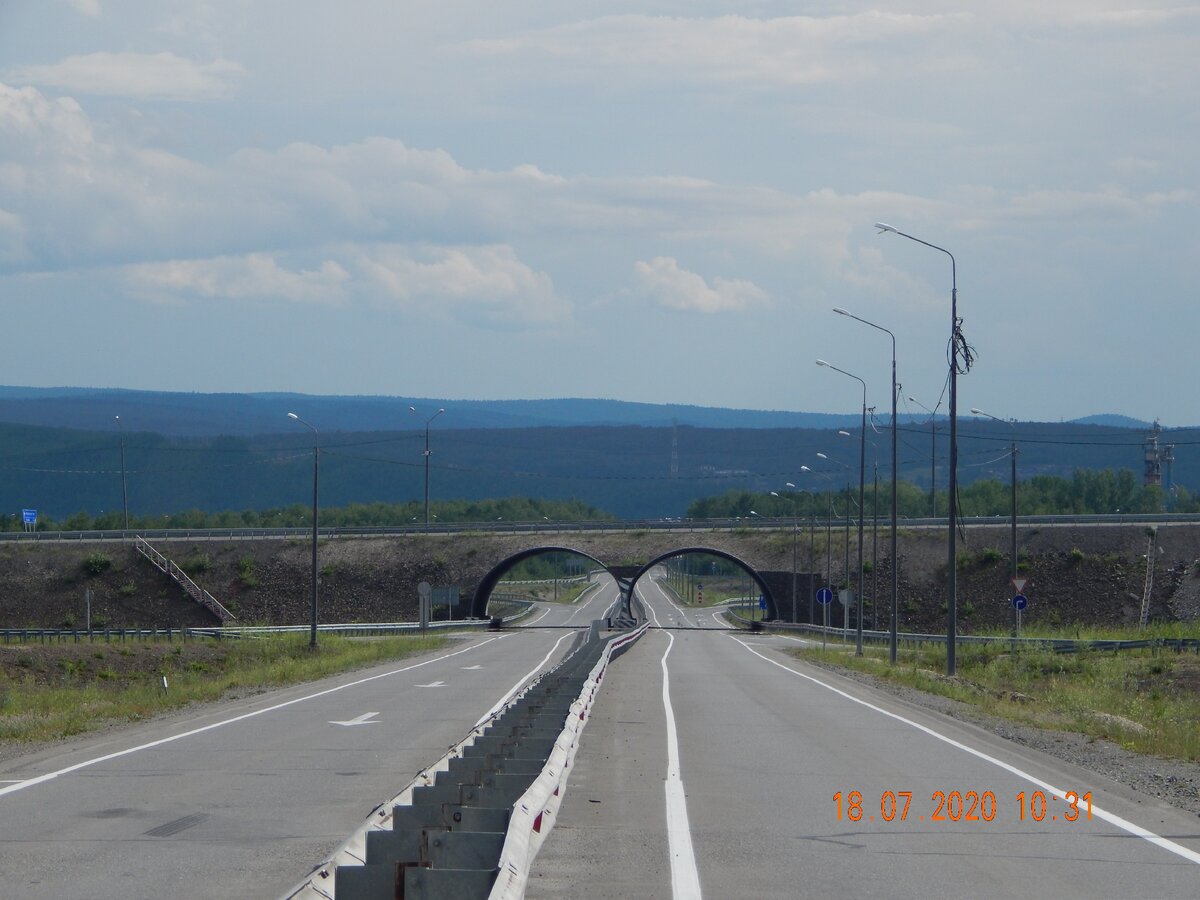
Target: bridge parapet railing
677	525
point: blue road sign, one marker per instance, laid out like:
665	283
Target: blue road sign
29	516
824	595
762	602
1020	602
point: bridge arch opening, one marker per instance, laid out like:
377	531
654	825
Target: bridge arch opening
706	576
539	573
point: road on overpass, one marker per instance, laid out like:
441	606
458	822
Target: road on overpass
712	761
242	799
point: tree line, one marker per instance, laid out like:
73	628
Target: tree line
1087	491
298	515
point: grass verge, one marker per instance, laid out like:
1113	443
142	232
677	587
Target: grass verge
50	693
1147	701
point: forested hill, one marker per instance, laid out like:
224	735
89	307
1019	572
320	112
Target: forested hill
200	415
176	414
629	471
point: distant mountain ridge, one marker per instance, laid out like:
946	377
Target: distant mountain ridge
1114	421
180	414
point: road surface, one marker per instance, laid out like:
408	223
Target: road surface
712	760
243	799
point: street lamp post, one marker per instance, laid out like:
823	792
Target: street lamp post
813	550
124	488
932	457
892	637
862	462
952	545
1012	452
795	528
428	453
845	537
312	641
875	564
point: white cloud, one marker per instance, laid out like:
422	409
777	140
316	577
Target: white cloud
490	282
465	283
13	247
678	289
256	276
792	50
144	76
89	8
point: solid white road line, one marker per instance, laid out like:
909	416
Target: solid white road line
50	776
1112	819
685	877
545	613
524	678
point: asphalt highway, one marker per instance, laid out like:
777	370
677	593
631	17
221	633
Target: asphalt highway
242	799
713	762
712	765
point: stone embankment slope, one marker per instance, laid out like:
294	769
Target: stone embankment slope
1077	574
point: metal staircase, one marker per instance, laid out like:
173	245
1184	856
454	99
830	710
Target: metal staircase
197	593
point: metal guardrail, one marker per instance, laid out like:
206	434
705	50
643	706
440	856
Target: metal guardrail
677	525
1056	645
354	629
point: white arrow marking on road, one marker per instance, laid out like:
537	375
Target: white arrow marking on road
364	719
471	668
433	684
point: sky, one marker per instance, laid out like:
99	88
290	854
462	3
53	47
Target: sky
654	201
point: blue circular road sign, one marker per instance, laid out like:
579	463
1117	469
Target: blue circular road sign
824	595
1020	602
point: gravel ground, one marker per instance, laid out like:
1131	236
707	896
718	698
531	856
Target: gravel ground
1176	782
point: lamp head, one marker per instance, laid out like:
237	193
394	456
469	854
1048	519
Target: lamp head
412	409
293	416
821	362
822	455
789	484
805	469
883	226
840	311
843	433
975	411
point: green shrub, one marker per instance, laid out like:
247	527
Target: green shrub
97	563
128	589
246	572
196	565
990	555
1077	555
